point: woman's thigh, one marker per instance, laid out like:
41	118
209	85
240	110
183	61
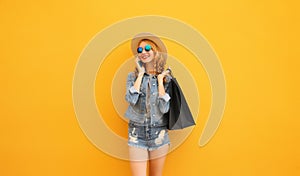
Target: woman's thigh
157	160
138	161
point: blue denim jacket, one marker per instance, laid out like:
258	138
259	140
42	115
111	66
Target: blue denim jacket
138	111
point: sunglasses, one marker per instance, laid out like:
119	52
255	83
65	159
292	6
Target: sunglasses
147	48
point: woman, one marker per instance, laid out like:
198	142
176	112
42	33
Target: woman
146	93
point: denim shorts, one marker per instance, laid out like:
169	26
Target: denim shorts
146	136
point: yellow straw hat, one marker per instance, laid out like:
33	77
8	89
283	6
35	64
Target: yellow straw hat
146	35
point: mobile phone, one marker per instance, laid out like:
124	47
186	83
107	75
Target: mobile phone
140	63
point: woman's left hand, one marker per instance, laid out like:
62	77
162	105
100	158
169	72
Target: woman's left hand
161	76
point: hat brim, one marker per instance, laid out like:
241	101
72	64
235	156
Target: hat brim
146	35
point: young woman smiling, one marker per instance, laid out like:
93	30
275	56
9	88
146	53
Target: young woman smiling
146	93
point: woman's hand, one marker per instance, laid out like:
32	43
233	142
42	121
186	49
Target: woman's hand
141	68
161	76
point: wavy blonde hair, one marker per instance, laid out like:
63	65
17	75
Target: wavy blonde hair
159	60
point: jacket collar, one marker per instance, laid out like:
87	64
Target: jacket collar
149	75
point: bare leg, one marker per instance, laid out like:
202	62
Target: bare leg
157	160
138	161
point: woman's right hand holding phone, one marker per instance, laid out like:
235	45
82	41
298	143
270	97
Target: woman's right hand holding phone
141	70
139	66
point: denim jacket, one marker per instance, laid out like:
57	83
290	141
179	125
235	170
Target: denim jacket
146	104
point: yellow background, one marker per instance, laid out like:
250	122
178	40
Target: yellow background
258	46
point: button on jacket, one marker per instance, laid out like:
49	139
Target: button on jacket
146	104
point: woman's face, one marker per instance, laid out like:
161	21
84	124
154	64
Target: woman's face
146	56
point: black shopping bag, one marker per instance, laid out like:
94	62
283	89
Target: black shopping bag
179	113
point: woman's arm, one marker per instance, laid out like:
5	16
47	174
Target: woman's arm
138	82
133	85
164	97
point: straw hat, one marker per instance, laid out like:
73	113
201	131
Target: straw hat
146	35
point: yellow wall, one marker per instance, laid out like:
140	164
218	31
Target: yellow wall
257	44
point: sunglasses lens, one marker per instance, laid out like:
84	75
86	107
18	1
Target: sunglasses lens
139	49
147	47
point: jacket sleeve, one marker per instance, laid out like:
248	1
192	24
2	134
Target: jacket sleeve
132	95
164	101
